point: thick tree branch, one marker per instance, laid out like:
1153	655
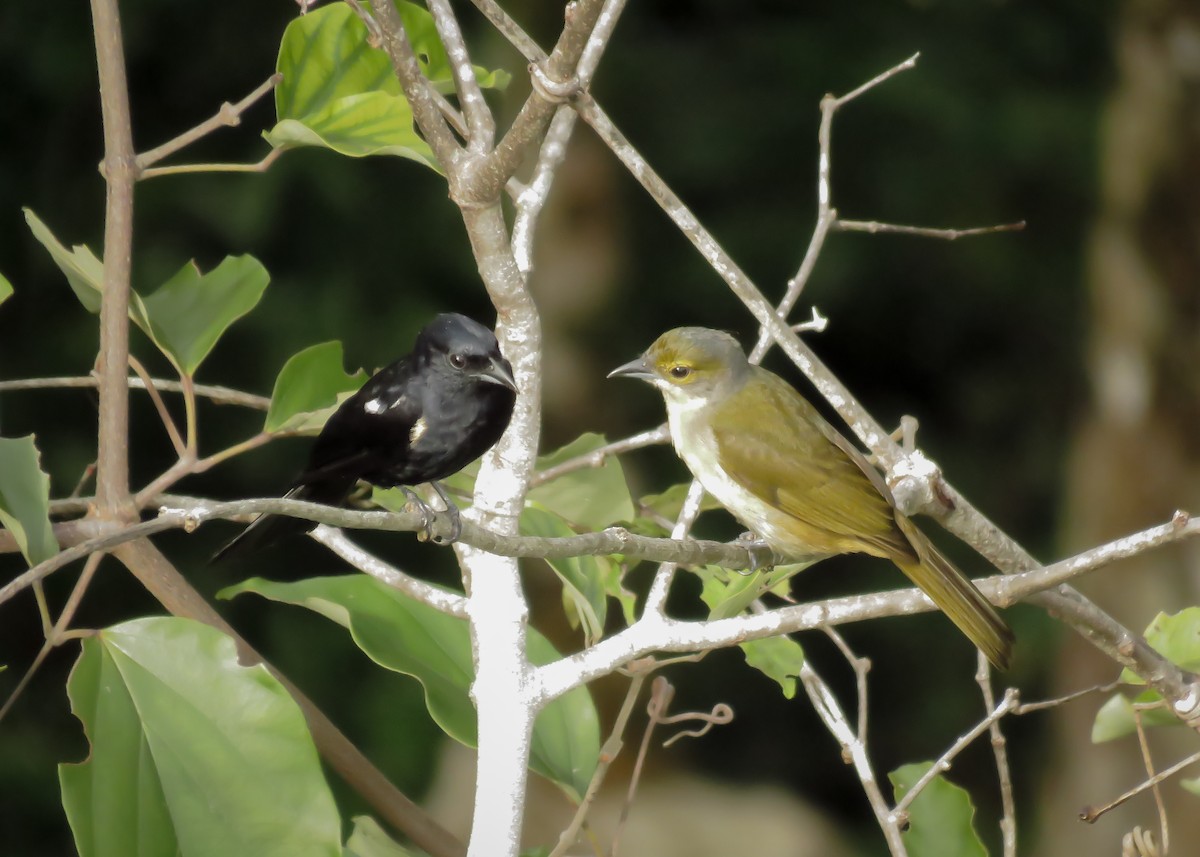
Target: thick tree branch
426	112
120	171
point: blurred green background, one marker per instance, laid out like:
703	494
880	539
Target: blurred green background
986	340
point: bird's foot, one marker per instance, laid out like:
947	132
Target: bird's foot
455	516
752	543
428	516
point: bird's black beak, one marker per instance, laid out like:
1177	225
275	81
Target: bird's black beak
498	372
633	369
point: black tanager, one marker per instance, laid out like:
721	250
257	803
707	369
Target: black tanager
418	420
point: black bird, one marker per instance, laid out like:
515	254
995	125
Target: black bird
421	419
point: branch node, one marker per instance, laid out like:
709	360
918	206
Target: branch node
1180	519
554	91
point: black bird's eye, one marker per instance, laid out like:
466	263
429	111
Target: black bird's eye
679	371
458	361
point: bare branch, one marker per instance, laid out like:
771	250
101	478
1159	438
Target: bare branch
854	751
1008	817
450	603
227	116
219	395
481	127
425	109
943	763
873	227
598	456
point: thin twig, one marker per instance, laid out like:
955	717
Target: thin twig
1008	817
1154	789
180	169
873	227
597	457
661	694
854	752
944	761
1090	814
608	754
55	633
219	395
159	405
861	667
450	603
227	116
1043	704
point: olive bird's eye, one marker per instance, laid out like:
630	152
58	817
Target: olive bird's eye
679	372
458	361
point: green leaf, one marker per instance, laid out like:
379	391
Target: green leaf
192	753
309	387
1177	637
940	817
410	637
25	499
778	658
371	123
340	93
1116	718
186	315
582	577
85	273
669	503
591	498
1191	785
190	311
6	289
368	839
728	593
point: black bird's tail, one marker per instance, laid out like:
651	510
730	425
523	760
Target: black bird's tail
266	530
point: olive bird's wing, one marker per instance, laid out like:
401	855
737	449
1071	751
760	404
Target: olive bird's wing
778	447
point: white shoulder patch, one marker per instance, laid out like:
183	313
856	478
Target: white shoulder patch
417	431
375	406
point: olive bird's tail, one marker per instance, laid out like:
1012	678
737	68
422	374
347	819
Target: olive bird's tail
956	596
266	530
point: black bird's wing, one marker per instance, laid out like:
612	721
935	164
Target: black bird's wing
354	441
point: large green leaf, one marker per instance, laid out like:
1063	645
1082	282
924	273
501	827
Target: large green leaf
592	497
6	288
410	637
190	311
25	499
940	817
309	387
371	123
341	93
192	753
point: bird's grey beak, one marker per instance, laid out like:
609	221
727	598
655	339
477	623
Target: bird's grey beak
633	369
498	372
